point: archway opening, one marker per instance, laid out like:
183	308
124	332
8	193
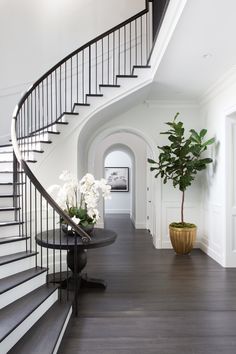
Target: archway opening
118	170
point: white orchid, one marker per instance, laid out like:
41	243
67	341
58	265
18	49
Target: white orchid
80	199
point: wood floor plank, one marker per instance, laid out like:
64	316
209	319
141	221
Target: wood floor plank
155	302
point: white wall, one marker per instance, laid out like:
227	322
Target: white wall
120	202
37	34
219	235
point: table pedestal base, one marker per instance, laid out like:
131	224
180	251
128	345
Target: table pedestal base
77	261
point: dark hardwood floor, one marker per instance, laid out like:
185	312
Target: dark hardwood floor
155	302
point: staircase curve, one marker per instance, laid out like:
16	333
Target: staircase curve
61	93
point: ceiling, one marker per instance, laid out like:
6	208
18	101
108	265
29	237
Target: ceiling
201	50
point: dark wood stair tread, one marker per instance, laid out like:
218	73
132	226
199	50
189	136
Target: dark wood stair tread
9	195
16	257
94	95
81	104
11	183
9	208
108	85
15	313
43	336
10	239
14	280
127	76
10	223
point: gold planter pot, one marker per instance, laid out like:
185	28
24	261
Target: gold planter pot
182	239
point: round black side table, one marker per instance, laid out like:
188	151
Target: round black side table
77	252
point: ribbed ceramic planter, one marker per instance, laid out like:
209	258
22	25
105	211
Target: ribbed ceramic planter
182	239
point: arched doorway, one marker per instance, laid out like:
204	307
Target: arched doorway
119	165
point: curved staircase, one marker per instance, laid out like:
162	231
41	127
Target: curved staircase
62	100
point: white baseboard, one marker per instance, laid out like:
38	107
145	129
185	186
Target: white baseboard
204	246
117	211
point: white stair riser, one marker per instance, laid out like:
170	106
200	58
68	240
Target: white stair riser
5	189
23	289
6	202
10	230
6	148
6	166
15	335
12	247
34	145
6	157
15	267
46	137
6	177
8	215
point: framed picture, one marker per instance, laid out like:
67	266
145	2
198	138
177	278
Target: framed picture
118	178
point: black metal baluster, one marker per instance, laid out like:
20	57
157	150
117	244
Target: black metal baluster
60	256
136	54
60	92
130	48
30	214
26	212
83	96
65	87
96	75
35	226
114	52
76	277
108	60
141	34
47	104
54	258
119	51
102	64
41	228
51	79
146	38
47	242
77	78
56	101
43	123
124	50
89	69
71	83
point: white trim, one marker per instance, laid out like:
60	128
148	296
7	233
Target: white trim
219	86
62	331
170	103
204	246
117	211
139	225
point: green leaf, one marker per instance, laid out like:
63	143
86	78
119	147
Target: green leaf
151	161
209	142
195	136
203	133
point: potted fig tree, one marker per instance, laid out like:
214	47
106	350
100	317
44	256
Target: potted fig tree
179	162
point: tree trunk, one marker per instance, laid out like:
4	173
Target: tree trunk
182	208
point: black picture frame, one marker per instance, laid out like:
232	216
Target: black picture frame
118	178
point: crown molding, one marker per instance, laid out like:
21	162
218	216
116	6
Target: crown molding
223	83
171	103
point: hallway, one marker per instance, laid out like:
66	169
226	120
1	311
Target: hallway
155	302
